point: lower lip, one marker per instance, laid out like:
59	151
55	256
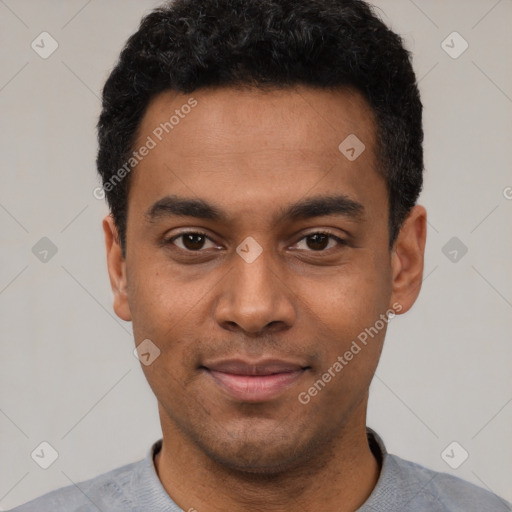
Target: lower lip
257	388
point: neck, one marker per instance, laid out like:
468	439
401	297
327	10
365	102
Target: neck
339	477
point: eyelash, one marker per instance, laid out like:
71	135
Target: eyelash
332	236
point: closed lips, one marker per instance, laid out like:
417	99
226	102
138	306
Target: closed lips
254	382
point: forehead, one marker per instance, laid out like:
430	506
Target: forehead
310	118
246	146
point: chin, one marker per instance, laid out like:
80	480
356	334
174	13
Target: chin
254	461
265	453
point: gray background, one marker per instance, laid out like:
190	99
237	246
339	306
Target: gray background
67	372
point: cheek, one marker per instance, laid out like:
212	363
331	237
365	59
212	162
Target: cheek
167	313
348	322
352	298
168	308
352	337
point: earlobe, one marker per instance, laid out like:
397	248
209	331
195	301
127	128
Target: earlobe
407	259
116	265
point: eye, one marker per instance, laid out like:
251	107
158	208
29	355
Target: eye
319	241
191	241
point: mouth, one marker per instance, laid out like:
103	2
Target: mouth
254	382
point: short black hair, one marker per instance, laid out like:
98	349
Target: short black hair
185	45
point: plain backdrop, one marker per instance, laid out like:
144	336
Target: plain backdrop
68	375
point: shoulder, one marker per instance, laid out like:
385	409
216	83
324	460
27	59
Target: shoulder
442	491
103	492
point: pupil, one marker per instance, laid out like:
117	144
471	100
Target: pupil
193	241
319	239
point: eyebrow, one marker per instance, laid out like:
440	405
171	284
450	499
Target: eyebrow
316	206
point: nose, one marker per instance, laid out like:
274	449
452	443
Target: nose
254	298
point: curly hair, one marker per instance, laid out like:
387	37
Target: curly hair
185	45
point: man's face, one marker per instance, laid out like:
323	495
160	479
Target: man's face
251	306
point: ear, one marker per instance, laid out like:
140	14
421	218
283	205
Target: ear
116	269
407	259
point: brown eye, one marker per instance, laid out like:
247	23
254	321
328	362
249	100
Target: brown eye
320	241
191	241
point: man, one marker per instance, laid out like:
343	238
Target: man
262	161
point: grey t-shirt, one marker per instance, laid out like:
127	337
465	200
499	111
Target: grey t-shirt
402	486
